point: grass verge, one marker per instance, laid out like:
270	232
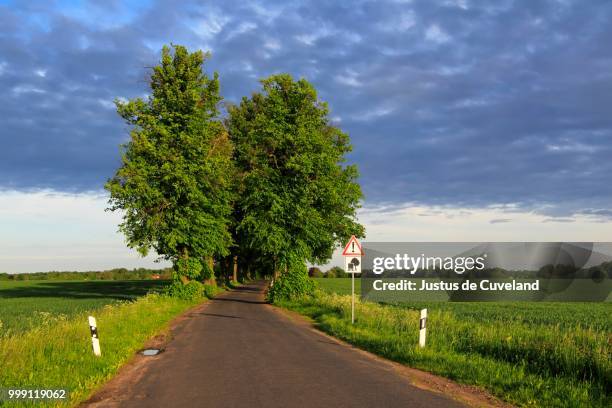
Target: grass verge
524	364
59	355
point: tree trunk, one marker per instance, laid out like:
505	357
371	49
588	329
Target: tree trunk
227	269
184	255
235	269
276	271
211	264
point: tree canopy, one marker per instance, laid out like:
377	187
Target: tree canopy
174	183
268	184
298	197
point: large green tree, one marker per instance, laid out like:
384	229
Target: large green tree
174	184
298	197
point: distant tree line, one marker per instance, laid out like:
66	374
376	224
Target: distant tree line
334	272
111	274
550	271
260	190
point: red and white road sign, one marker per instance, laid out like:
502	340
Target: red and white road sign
353	248
352	264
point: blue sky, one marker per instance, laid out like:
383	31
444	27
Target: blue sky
499	108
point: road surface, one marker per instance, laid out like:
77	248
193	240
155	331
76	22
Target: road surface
237	351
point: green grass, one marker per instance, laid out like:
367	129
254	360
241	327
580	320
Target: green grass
48	344
529	354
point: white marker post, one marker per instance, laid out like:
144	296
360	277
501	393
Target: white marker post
352	264
95	341
422	327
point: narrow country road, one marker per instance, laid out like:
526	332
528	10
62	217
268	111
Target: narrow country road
237	351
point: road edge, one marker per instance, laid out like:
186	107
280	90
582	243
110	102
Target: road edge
112	392
470	395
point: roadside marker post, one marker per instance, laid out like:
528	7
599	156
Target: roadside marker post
352	264
95	341
422	327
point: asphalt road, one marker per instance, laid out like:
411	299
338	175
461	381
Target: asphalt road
239	352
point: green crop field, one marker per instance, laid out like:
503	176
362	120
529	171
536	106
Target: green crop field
341	286
27	304
529	354
597	316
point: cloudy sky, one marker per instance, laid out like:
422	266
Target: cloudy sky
470	120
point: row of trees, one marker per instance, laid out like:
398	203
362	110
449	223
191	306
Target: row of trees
111	274
264	186
334	272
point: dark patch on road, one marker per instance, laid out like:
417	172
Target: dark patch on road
220	315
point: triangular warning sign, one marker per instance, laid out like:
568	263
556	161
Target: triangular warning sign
353	248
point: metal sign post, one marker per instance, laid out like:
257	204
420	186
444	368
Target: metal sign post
352	298
352	264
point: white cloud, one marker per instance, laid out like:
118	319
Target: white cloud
210	26
435	34
242	28
497	223
440	223
315	33
462	4
272	44
406	20
247	66
401	21
106	104
451	70
23	89
46	230
373	113
350	78
471	102
351	37
267	12
571	147
307	39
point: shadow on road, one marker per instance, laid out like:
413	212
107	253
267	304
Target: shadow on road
248	288
231	299
220	315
